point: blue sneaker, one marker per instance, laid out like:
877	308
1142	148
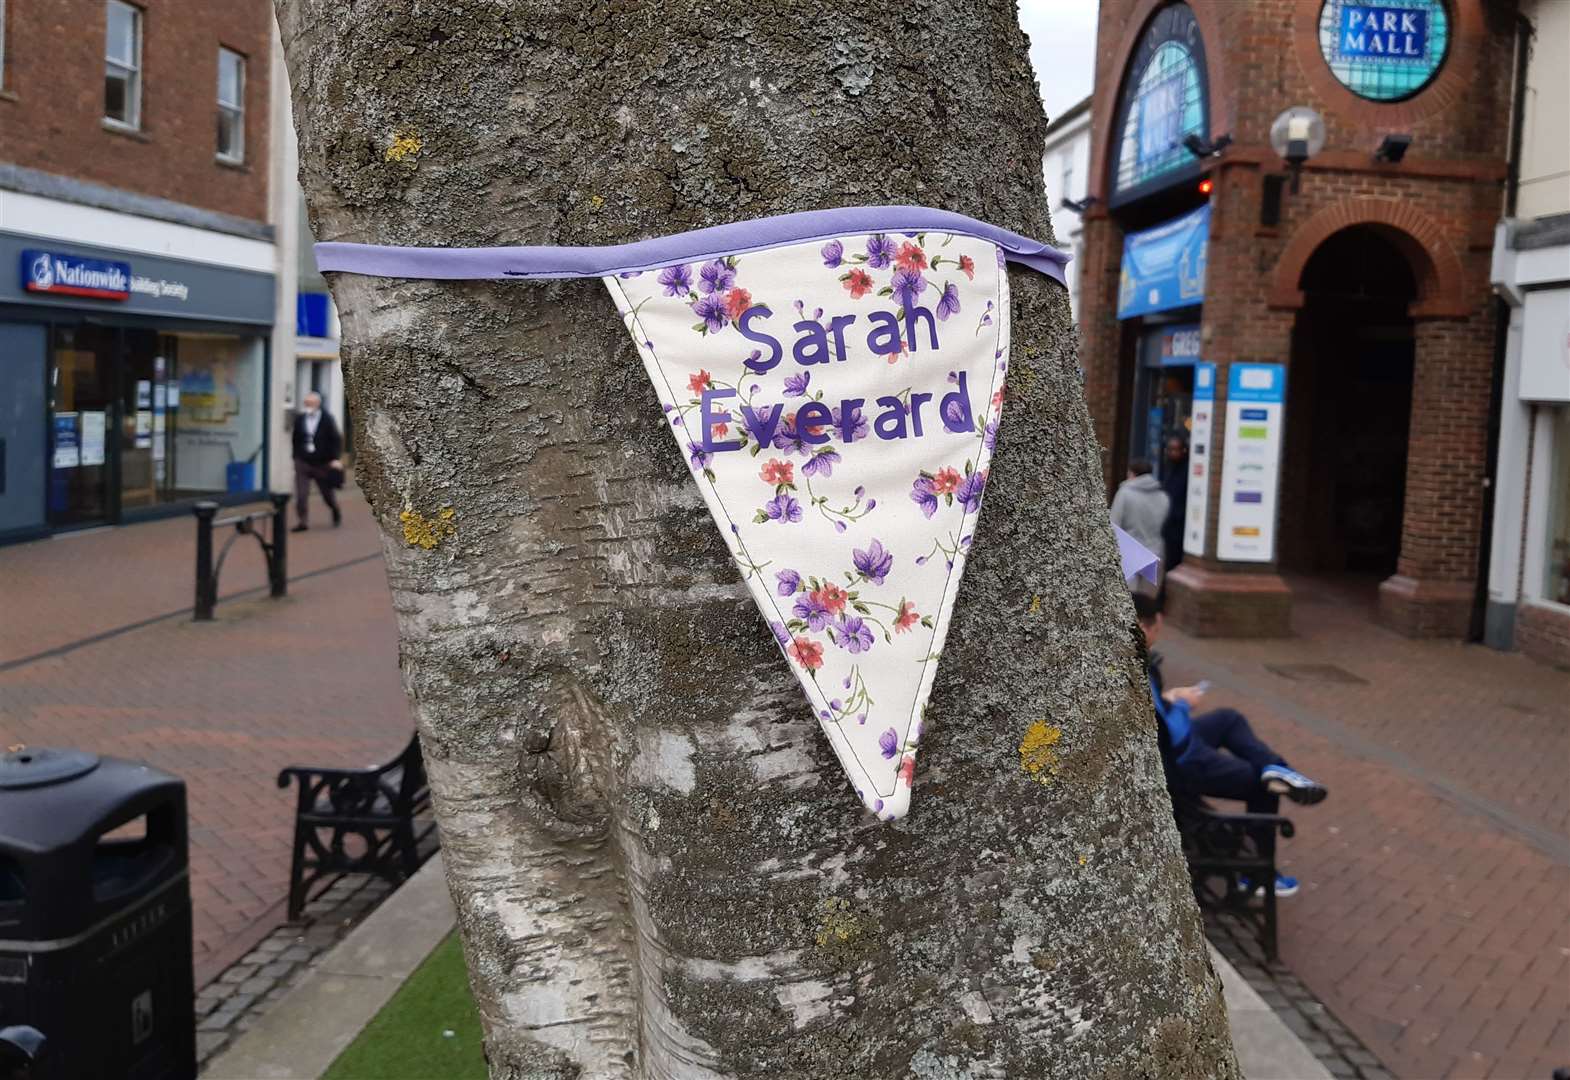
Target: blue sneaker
1286	885
1280	780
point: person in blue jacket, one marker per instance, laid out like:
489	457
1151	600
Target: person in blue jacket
1216	754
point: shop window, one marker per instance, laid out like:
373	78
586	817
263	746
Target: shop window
1556	578
216	406
123	65
1384	51
1165	100
231	106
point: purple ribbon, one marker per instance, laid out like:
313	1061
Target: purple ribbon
696	246
1138	560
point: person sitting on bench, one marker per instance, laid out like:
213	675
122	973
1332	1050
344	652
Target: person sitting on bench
1217	754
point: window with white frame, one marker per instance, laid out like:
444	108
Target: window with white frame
231	106
123	65
1556	572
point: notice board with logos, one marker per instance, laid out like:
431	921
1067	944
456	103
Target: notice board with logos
1251	462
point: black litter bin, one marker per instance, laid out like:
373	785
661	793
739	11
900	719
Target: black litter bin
95	915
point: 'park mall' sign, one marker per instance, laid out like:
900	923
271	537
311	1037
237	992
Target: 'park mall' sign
1396	33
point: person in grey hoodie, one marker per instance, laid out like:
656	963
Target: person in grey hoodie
1140	507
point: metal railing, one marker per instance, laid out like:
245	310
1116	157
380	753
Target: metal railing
275	549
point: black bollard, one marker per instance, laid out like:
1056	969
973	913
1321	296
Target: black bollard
278	564
206	586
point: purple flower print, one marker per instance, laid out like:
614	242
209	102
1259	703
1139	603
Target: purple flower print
853	635
789	440
676	279
990	436
888	742
836	705
969	491
922	495
716	277
833	253
789	582
699	459
874	563
955	416
783	508
711	309
754	364
781	635
907	285
812	612
948	303
854	428
880	251
796	385
822	463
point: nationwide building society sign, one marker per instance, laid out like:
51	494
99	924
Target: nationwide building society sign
55	273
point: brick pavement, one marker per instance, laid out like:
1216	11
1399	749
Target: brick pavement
224	705
1435	914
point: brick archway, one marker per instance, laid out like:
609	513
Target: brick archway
1435	265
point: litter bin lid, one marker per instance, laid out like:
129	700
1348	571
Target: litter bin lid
36	766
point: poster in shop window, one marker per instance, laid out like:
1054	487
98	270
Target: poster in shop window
93	426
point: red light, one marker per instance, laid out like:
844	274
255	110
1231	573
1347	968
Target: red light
1206	186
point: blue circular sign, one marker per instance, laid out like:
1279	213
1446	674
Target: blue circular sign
1384	50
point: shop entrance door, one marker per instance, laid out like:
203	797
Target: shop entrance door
85	422
22	418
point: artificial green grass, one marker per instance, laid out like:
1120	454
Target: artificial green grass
405	1041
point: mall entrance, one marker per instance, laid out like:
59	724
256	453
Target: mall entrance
1349	405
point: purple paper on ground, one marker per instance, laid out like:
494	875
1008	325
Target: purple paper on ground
1138	560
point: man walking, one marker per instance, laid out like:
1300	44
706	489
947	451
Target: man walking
1140	509
317	445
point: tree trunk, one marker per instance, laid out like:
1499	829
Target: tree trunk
653	880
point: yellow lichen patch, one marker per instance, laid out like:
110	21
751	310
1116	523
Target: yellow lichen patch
596	201
1035	605
427	532
838	925
404	144
1038	756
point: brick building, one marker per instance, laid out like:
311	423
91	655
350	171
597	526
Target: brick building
137	262
1323	345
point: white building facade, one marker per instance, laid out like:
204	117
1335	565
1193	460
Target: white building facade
1529	566
1065	166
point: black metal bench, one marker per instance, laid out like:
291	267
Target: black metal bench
358	821
1225	850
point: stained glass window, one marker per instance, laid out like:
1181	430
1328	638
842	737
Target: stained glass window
1164	102
1384	50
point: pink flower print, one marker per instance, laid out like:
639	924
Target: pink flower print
859	282
737	301
908	616
721	430
778	472
807	653
967	266
700	382
907	771
911	257
997	399
830	597
945	481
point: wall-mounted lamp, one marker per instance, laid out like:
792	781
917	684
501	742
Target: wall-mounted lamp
1079	206
1202	149
1393	148
1297	135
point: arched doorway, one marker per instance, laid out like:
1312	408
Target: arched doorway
1349	407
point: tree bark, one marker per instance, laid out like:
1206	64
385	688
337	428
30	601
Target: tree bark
651	880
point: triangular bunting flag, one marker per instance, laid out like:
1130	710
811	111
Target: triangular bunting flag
837	403
834	380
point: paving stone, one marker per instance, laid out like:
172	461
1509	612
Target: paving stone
256	957
278	969
296	954
1341	1069
238	973
217	1021
209	1043
258	985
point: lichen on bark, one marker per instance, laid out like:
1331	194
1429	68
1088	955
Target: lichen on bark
658	869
